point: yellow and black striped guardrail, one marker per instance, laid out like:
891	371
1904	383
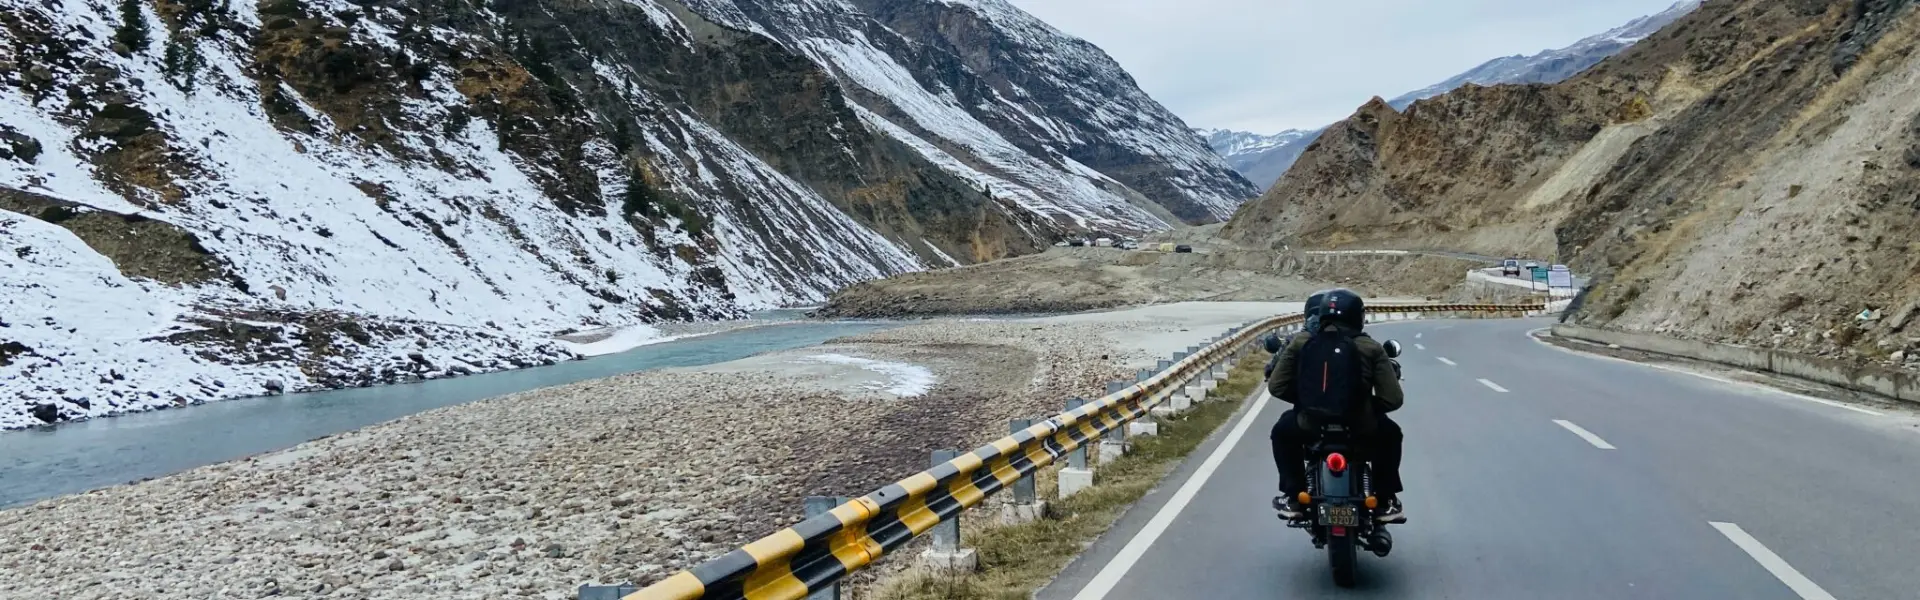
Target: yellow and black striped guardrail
819	551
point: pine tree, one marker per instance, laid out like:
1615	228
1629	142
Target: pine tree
133	27
622	138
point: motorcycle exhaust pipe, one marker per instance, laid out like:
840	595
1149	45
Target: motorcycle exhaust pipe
1381	542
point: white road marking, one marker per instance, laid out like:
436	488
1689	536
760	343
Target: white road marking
1444	360
1496	387
1417	335
1420	346
1714	378
1806	588
1585	435
1109	576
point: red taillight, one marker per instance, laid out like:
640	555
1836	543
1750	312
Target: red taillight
1337	462
1339	531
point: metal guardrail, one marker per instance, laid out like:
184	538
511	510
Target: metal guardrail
819	551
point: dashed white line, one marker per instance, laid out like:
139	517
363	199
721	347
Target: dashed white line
1444	360
1806	588
1496	387
1417	335
1420	346
1584	434
1109	576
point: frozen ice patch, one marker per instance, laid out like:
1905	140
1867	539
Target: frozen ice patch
903	380
616	341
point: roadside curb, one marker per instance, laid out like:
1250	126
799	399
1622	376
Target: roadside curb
1877	381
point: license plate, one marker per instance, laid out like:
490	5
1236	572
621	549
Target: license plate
1339	515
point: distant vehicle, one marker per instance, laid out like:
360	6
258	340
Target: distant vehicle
1533	266
1510	267
1183	249
1128	246
1166	247
1060	244
1103	242
1076	243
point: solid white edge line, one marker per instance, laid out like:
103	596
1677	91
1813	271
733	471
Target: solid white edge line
1444	360
1110	575
1800	584
1496	387
1585	435
1746	384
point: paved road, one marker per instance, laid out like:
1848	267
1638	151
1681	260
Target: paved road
1659	485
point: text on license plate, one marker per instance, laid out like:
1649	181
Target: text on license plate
1338	515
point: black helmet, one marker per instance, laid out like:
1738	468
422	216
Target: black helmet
1344	307
1312	323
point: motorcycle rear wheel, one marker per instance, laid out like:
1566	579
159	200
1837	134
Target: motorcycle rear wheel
1342	555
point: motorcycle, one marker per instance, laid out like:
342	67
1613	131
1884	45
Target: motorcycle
1339	500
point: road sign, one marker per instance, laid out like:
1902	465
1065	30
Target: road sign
1539	275
1559	276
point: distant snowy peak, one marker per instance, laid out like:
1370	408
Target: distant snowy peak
1230	143
1553	66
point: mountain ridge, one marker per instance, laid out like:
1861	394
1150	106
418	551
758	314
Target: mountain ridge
1264	165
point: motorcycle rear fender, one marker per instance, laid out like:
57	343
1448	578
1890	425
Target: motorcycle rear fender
1339	486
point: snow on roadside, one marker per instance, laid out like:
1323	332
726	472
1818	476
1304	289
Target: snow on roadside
903	380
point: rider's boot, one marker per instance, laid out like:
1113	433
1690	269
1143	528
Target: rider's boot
1391	511
1289	508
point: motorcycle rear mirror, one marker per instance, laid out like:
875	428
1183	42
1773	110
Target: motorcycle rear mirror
1393	348
1273	344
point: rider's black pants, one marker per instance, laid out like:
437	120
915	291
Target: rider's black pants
1382	447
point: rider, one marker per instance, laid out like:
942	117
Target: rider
1312	323
1342	312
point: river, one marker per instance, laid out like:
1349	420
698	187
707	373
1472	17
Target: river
76	457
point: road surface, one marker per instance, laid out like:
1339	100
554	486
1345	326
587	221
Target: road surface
1537	472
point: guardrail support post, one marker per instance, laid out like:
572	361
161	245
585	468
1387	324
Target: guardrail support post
1075	476
946	554
1145	424
1027	505
816	506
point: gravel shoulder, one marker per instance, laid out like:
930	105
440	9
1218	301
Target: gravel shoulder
620	479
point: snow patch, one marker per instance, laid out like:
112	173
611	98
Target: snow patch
903	380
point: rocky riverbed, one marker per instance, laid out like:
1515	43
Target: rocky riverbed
621	479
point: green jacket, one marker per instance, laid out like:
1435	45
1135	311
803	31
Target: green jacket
1378	374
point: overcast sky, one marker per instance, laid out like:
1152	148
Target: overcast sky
1269	65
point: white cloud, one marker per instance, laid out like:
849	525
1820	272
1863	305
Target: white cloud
1268	65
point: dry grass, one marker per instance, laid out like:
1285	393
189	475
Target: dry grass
1015	560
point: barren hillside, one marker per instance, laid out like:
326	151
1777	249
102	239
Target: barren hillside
1751	174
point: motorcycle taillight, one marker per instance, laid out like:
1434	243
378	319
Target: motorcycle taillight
1337	462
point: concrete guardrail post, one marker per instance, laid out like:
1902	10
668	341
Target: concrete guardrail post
1075	476
946	553
606	592
1164	399
1113	445
1142	425
816	506
1027	505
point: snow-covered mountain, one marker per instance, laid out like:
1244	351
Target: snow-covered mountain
204	200
1264	158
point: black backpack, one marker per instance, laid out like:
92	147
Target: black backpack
1329	382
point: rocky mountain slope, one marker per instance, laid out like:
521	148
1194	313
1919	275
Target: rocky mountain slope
1554	66
299	194
1750	174
1263	159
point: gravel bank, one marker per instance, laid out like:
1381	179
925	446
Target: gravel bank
530	495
